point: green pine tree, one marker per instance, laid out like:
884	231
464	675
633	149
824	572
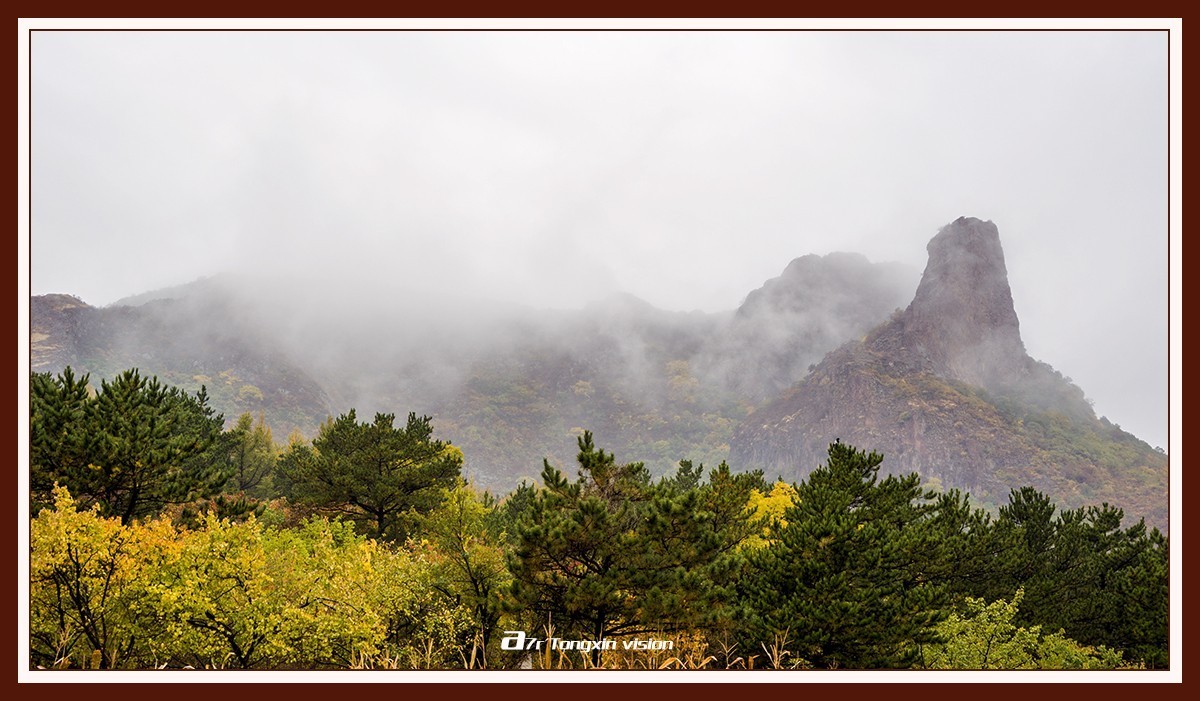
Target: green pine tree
57	432
374	473
133	448
612	554
845	583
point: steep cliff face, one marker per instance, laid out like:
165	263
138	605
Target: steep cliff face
945	388
52	330
961	323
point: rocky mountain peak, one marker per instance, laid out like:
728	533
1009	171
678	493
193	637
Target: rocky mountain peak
961	323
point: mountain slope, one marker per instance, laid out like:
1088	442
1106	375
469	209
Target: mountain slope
945	388
186	342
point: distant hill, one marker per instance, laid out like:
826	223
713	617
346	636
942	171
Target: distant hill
945	388
188	342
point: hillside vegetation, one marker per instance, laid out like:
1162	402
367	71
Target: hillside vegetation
161	540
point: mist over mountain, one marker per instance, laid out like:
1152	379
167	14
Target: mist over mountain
793	320
945	388
190	341
511	384
826	350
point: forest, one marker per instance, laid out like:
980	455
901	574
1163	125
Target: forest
162	537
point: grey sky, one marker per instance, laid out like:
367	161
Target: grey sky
555	168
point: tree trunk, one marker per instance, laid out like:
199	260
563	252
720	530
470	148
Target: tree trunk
127	518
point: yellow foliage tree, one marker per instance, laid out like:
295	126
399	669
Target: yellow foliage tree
768	509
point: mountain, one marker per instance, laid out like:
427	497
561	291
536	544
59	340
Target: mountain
789	323
945	388
188	342
509	385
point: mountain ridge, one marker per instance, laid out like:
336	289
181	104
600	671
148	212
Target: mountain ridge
945	388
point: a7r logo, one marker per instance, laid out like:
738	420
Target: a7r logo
517	640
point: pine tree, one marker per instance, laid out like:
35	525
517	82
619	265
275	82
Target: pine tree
845	582
135	447
570	564
612	554
374	473
1084	574
58	414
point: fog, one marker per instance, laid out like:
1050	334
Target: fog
467	176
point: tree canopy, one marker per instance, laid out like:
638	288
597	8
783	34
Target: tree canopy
375	473
613	553
845	580
134	447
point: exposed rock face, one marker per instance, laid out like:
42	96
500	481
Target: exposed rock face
961	321
945	388
52	322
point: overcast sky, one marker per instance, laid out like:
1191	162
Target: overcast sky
556	168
